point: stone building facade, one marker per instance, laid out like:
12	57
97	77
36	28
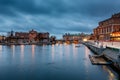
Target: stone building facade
31	37
108	29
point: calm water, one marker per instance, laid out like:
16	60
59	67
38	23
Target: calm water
56	62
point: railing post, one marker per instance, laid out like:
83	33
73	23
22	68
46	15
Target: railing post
119	51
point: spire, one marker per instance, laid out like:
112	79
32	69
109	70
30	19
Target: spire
12	32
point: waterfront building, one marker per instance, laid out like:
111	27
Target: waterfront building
67	37
2	38
109	29
115	36
43	37
91	37
21	37
87	37
32	35
52	39
29	37
11	37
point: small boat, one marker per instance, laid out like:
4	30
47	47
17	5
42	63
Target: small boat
77	46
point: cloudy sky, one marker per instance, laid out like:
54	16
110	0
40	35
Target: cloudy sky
55	16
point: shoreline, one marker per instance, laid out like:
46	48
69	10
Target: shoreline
109	54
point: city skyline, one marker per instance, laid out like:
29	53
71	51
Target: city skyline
55	17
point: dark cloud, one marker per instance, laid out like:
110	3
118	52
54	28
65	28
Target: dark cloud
55	16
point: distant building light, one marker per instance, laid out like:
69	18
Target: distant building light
85	39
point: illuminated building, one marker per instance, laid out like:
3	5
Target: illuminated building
115	36
31	37
2	38
21	37
108	29
73	37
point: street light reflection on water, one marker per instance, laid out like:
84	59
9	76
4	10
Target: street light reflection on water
53	50
0	51
33	51
111	75
13	50
51	62
22	52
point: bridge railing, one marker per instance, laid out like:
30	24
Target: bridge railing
106	43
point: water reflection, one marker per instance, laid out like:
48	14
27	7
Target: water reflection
57	44
87	52
0	51
13	50
43	48
111	75
77	66
22	52
67	50
75	50
61	51
33	52
53	51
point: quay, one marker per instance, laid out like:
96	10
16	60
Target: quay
95	48
99	60
105	55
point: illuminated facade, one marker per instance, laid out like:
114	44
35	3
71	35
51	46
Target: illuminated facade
73	37
2	38
115	36
31	36
108	29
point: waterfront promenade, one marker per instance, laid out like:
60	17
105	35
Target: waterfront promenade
111	44
111	53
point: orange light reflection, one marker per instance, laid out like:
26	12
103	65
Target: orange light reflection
33	51
22	52
111	75
0	51
13	50
53	51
